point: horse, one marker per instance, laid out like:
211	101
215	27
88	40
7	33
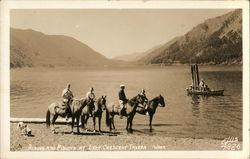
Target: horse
100	106
76	108
152	105
130	111
55	109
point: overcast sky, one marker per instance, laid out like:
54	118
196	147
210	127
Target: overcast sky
114	32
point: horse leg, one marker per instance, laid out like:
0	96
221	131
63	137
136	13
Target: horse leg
150	122
53	123
50	121
127	123
99	122
113	123
94	122
73	122
83	121
77	122
110	125
131	123
86	121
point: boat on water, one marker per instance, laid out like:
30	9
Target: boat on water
196	89
209	93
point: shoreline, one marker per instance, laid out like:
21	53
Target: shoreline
152	66
63	140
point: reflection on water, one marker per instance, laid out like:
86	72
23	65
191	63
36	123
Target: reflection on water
195	102
184	116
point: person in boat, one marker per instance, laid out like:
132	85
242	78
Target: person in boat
122	99
67	96
191	87
202	85
145	105
91	97
207	88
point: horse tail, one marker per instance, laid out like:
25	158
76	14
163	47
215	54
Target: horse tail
108	121
48	118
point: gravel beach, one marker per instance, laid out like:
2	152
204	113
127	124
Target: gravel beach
43	140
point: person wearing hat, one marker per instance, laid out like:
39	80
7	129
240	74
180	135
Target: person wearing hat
67	96
122	98
202	85
90	96
145	105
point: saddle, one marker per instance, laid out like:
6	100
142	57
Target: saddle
61	108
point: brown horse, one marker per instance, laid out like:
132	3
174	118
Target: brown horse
100	106
130	111
152	105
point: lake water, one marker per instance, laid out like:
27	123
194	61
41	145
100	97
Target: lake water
32	90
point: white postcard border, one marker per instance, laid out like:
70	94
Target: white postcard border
5	76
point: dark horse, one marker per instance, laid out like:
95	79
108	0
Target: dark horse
152	105
130	111
100	106
55	110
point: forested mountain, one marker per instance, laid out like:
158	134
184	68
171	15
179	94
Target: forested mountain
217	40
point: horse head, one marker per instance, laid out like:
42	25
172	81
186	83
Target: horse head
102	103
161	101
90	102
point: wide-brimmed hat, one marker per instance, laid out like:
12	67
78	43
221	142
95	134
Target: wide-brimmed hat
122	85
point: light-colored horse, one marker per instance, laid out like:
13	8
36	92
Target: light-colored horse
100	106
76	107
55	109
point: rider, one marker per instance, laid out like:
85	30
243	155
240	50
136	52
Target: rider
122	98
90	96
67	96
145	105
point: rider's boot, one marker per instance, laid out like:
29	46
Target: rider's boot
146	108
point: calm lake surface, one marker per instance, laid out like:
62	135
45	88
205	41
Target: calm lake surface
32	90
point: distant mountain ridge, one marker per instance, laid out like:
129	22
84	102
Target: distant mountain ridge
31	48
135	56
216	41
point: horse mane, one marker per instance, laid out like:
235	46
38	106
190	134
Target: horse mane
154	99
132	100
83	102
99	101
